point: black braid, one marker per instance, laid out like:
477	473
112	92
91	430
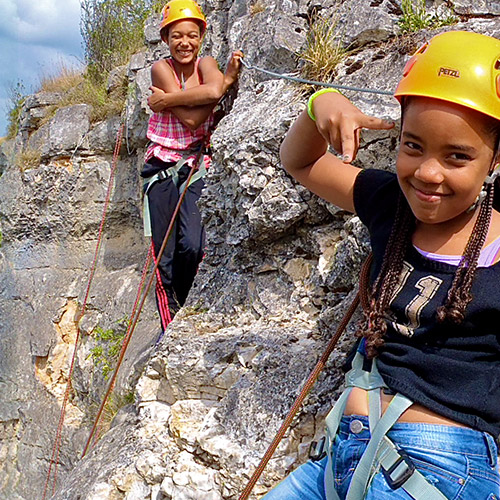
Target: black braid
459	294
374	325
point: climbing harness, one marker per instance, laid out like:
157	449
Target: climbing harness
312	82
169	173
54	459
133	323
361	296
381	453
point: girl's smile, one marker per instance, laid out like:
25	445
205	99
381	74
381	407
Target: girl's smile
444	158
184	41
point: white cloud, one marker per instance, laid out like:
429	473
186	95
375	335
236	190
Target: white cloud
35	38
46	22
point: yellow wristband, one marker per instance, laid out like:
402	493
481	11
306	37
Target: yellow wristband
311	100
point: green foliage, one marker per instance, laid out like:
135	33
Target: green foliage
323	50
416	17
108	345
112	30
113	404
194	310
157	5
17	96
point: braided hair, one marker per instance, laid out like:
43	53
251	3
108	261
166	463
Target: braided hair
374	325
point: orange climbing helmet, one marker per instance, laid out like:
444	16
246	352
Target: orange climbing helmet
457	66
177	10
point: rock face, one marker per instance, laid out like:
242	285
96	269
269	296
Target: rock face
279	272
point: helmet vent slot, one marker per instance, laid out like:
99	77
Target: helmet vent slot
497	64
422	49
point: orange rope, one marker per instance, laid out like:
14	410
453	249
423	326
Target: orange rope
54	460
311	380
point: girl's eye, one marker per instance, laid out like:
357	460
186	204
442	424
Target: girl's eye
412	146
460	157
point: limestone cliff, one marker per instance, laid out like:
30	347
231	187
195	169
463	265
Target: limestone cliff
278	274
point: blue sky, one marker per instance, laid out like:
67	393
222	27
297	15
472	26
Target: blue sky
36	37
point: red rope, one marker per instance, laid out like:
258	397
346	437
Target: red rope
148	287
54	460
132	315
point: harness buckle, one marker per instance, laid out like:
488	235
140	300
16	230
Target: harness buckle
163	174
317	450
402	474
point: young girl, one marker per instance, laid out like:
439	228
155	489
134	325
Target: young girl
421	412
185	92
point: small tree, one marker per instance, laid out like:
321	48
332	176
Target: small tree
112	30
17	96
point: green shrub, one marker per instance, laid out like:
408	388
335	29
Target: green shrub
17	96
416	17
108	345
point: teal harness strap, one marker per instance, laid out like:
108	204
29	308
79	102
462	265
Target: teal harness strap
381	453
356	377
402	473
173	173
199	174
363	470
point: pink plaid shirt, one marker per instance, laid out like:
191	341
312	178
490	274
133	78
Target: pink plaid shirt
170	138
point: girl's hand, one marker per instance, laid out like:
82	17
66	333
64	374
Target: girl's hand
233	69
339	122
157	100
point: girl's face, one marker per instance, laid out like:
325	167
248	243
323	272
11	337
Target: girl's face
184	41
444	158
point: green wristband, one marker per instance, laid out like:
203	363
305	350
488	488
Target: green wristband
311	100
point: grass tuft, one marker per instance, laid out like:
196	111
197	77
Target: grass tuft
28	158
323	51
63	79
257	7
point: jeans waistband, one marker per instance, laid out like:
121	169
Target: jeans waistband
433	436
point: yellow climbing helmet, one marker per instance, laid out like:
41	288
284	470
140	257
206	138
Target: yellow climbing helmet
457	66
177	10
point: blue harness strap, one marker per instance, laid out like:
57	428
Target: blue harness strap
381	454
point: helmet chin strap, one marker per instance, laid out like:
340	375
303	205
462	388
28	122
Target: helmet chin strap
490	179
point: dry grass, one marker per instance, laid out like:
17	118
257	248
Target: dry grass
64	79
28	158
103	104
256	7
87	91
323	51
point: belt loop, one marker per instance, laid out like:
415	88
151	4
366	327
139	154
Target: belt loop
492	449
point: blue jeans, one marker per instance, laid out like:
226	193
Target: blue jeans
460	462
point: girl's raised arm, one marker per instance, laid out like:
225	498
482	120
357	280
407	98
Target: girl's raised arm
304	151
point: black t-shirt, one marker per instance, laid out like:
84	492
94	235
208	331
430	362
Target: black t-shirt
454	370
